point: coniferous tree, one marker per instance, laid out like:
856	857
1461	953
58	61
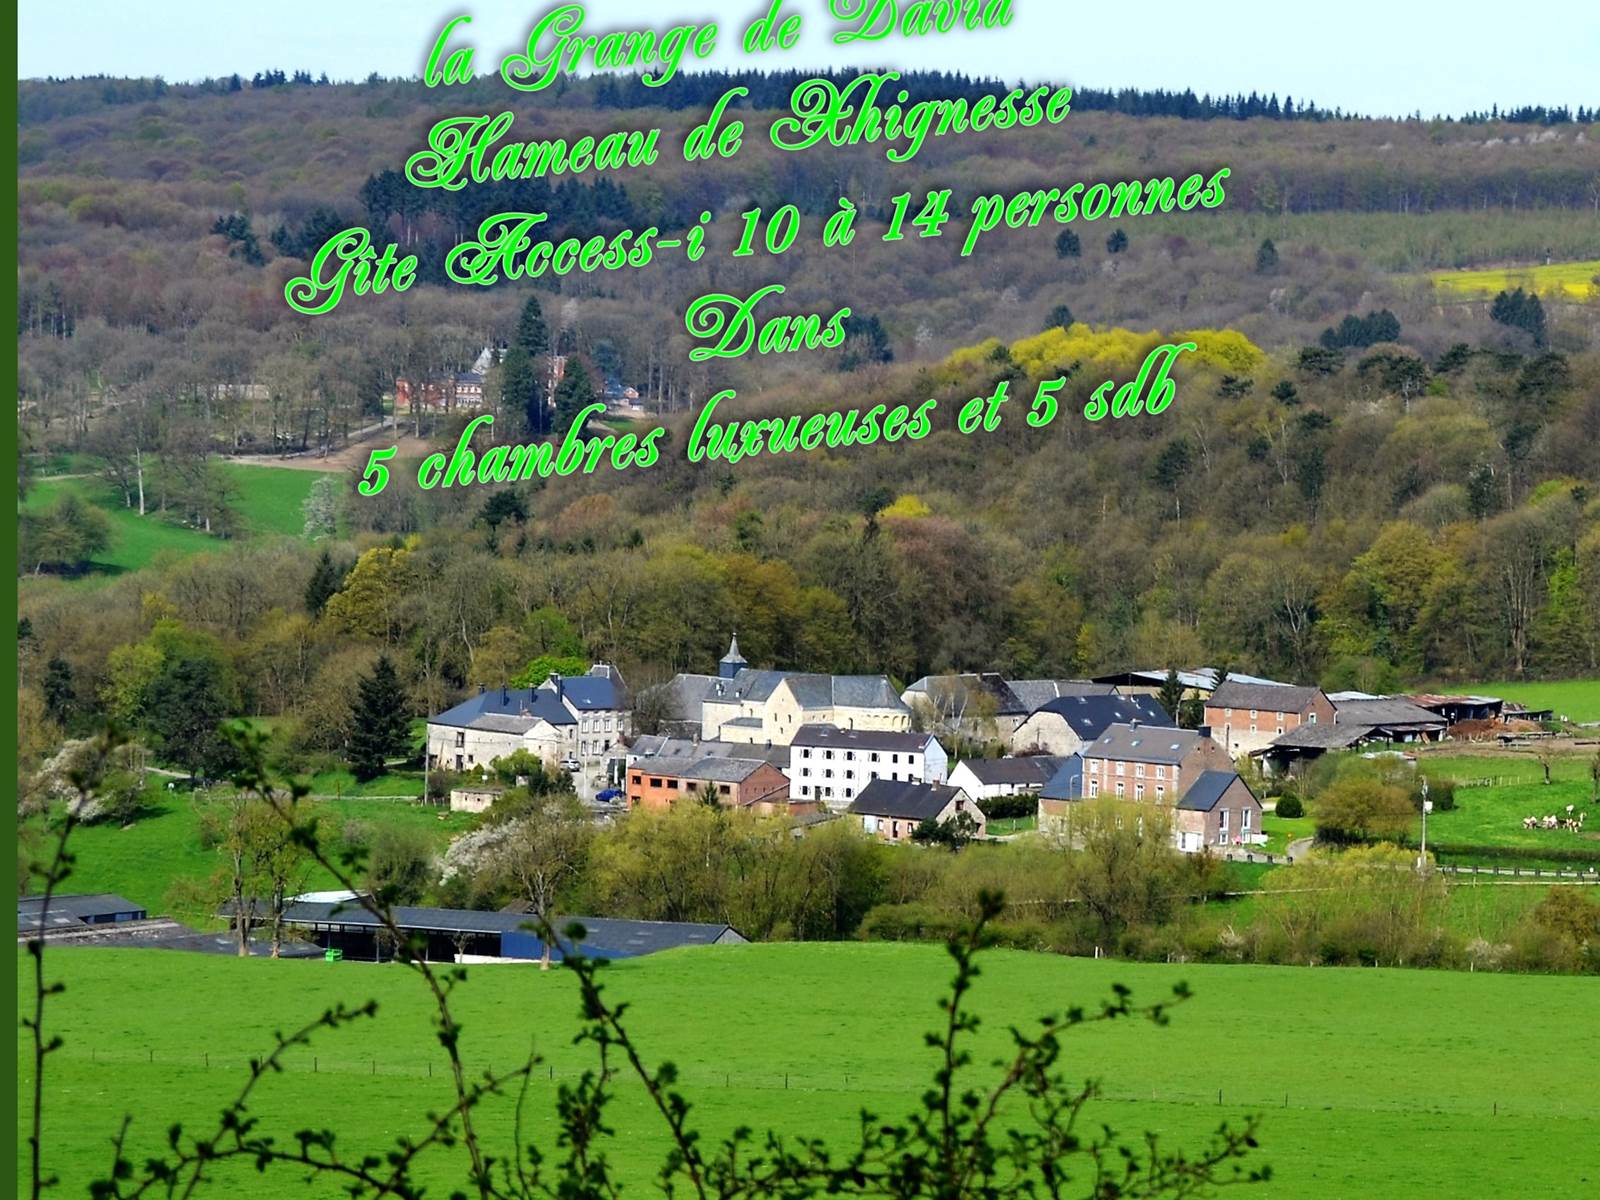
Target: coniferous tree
1117	242
1060	317
574	392
1068	245
522	390
325	581
382	726
60	698
1266	258
533	335
1170	696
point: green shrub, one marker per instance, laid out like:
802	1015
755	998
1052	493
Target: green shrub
1005	807
1289	806
1441	791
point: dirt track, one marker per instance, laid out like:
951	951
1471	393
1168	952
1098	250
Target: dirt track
351	458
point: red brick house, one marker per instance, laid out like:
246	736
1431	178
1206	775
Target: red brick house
1149	762
753	784
1247	717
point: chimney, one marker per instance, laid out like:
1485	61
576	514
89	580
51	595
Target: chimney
1133	724
556	679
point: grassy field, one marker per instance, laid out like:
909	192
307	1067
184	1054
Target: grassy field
1383	1083
343	783
1281	831
267	499
1492	815
142	861
1566	281
1575	699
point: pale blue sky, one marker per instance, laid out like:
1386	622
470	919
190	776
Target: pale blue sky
1377	56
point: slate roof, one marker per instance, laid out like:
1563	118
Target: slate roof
682	695
1067	782
500	723
603	934
588	693
648	747
1007	702
907	801
1144	743
733	658
506	702
1090	716
832	737
1033	693
811	691
1206	791
1320	737
1030	770
719	770
70	912
1388	713
1271	697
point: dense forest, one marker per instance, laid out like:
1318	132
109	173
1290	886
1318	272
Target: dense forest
1361	483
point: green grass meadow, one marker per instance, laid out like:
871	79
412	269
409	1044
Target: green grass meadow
142	860
1492	815
1369	1083
1575	699
267	499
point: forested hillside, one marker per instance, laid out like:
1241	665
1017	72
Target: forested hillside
1363	484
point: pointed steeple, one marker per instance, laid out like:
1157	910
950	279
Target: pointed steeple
732	662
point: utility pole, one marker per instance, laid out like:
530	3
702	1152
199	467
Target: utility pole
1427	807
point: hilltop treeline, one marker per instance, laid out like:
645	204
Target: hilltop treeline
41	100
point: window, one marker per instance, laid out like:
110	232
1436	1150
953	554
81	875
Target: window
1094	788
461	739
1122	768
894	758
1161	772
1313	718
805	772
849	756
1119	787
638	779
723	788
1244	820
672	785
1222	825
827	754
1138	771
874	756
655	783
470	760
1138	791
1161	790
827	773
1252	714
